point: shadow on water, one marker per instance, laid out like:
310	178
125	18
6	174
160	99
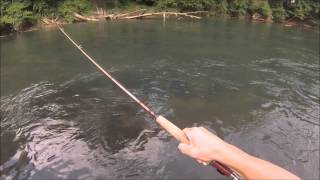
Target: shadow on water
255	85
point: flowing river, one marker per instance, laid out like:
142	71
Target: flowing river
255	85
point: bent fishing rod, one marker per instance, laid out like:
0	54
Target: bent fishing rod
172	129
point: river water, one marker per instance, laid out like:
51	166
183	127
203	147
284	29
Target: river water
255	85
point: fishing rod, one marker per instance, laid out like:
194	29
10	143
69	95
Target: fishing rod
172	129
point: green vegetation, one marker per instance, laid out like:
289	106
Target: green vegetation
17	15
239	7
279	14
304	9
185	5
264	9
68	7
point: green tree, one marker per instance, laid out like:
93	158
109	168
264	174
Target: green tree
239	7
17	15
68	7
186	5
264	9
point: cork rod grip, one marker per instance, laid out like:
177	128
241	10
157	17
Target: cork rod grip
172	129
181	137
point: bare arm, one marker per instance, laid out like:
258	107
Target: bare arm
205	147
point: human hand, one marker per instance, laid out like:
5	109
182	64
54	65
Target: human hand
204	146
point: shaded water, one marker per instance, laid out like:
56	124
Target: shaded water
255	85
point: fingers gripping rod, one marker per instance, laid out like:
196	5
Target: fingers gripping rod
163	122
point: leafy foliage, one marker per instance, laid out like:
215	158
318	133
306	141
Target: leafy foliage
194	5
45	7
17	15
315	6
186	5
279	14
252	7
301	10
68	7
164	4
220	6
264	9
239	7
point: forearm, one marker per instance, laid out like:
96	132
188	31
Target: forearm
254	168
205	147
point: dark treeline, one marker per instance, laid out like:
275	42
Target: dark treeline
17	15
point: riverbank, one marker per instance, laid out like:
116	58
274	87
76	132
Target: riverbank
27	15
151	14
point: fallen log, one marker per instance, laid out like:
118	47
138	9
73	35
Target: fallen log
137	16
198	12
48	21
84	18
161	13
109	16
183	14
137	12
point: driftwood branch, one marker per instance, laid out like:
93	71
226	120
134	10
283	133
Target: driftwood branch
138	16
198	12
133	13
48	21
163	14
129	15
109	16
84	18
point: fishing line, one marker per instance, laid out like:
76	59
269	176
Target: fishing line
163	122
109	76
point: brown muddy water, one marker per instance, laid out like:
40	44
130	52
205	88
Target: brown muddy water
255	85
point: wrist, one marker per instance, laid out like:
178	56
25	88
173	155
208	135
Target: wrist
231	155
222	153
237	159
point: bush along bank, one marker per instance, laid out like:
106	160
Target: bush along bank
20	15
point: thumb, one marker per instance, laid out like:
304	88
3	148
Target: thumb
185	149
